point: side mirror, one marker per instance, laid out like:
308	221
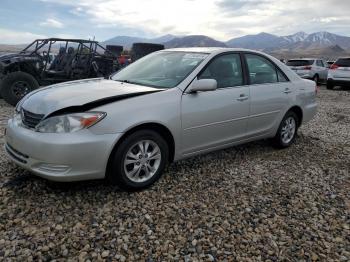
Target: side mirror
202	85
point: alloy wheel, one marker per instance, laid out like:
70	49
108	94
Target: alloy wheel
142	161
288	130
20	89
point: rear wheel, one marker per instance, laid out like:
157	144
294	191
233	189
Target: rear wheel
16	85
287	130
138	161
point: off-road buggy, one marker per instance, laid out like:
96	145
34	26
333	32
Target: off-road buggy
54	60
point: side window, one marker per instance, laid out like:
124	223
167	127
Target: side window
319	63
281	77
226	70
261	70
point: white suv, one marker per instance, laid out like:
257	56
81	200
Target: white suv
309	68
339	73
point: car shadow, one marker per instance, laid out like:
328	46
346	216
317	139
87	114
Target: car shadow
26	186
24	179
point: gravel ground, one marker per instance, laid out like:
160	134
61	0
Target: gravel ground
246	203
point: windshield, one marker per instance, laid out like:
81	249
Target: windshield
300	62
162	69
343	62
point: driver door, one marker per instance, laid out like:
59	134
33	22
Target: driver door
216	118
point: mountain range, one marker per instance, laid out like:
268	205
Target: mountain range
127	41
301	42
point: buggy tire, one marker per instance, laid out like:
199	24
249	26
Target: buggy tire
14	81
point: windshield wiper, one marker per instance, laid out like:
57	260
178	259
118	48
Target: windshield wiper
124	81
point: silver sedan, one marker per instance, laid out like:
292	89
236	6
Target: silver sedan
167	106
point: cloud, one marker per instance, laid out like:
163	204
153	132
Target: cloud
50	22
17	37
229	5
221	19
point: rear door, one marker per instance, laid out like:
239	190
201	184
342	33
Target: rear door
216	118
269	94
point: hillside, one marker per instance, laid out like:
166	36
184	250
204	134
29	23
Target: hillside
194	41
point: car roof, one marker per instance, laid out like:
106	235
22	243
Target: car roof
208	50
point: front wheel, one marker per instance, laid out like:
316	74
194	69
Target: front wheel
287	131
316	79
138	161
16	85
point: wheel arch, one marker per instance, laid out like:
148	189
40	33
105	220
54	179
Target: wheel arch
23	67
299	112
159	128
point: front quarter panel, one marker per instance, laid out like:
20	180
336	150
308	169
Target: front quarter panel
162	108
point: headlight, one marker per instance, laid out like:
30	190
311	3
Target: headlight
69	123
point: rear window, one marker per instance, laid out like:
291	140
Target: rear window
300	62
343	62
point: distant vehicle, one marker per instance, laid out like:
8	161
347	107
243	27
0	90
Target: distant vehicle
309	68
339	73
167	106
139	50
37	65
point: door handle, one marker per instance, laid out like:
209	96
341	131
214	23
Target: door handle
287	91
242	97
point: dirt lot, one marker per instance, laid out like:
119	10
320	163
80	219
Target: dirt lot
247	203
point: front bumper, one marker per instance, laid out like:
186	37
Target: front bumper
339	82
60	157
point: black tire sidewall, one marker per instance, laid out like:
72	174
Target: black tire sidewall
278	138
316	79
330	86
116	174
10	79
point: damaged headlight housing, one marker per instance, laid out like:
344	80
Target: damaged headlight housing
69	123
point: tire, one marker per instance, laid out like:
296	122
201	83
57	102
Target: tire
330	86
16	85
316	79
279	140
119	173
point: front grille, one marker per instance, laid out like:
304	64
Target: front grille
30	119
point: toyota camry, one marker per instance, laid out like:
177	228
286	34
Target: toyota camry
165	107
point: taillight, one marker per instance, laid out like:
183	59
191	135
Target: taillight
307	67
334	66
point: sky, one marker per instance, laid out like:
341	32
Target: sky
22	21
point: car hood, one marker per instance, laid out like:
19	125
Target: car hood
9	56
78	96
